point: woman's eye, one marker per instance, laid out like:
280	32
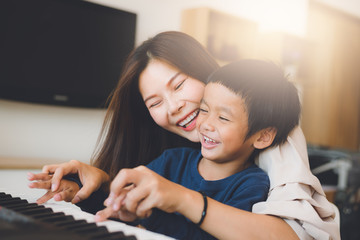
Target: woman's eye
155	104
180	84
203	110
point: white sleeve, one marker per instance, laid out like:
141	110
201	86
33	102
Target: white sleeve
295	193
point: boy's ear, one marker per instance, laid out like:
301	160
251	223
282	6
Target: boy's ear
265	138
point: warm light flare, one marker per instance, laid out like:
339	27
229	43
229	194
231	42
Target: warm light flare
283	15
272	15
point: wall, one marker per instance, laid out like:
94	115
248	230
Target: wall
35	134
53	134
47	133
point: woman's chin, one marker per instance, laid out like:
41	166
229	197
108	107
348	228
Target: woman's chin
192	136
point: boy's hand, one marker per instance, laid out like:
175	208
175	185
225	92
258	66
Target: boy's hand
122	214
65	192
149	190
91	177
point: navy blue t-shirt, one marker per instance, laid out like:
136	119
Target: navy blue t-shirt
180	165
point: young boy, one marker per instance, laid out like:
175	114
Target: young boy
247	107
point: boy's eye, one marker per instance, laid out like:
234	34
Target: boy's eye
203	110
180	84
224	119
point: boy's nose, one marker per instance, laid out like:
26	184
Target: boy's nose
206	124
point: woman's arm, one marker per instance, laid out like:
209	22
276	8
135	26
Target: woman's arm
221	221
226	222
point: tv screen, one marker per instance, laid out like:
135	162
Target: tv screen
62	52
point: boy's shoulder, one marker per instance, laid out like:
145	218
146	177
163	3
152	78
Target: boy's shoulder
181	151
172	163
254	175
176	156
255	170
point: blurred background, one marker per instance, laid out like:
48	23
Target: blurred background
316	41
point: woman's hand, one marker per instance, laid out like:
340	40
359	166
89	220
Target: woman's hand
92	178
149	190
65	192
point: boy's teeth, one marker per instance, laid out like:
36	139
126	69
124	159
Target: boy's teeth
208	139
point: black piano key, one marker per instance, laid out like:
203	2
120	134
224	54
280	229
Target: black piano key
13	203
57	219
8	196
121	236
3	200
94	231
71	223
130	237
5	196
91	230
41	216
109	236
86	227
35	211
27	207
99	235
54	214
18	207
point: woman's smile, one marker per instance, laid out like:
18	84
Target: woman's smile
188	123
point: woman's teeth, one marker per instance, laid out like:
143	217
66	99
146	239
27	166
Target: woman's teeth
188	120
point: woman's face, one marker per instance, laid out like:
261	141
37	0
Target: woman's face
172	98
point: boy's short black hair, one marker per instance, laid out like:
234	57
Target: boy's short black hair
271	100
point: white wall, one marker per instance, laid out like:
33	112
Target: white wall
61	133
43	132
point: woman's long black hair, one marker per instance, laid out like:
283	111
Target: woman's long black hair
129	136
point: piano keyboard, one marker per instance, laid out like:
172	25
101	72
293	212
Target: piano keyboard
20	219
21	216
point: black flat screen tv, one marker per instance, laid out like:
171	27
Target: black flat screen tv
62	52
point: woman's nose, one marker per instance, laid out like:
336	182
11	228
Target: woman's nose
175	106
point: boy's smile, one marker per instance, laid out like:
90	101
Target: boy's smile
208	143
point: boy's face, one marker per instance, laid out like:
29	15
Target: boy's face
222	125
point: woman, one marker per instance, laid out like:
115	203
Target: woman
130	138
